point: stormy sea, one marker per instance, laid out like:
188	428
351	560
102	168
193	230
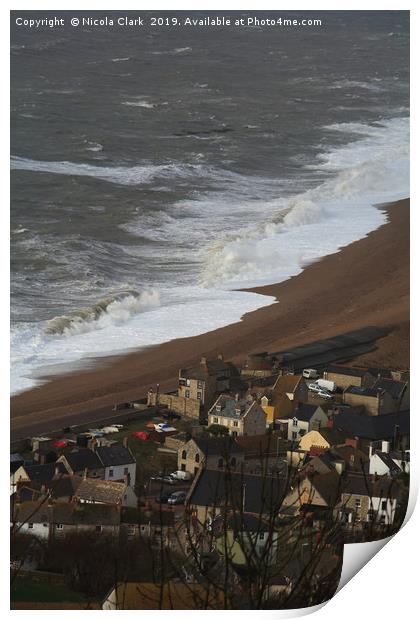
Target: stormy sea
156	173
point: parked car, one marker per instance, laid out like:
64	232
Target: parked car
163	497
177	498
163	478
181	475
326	385
314	387
310	373
326	395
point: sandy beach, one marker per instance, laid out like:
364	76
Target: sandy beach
365	284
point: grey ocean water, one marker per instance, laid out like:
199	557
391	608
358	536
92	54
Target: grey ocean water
153	171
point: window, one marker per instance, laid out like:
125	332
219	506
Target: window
235	423
215	420
187	393
199	395
45	525
197	457
295	422
111	473
294	435
184	454
261	535
384	504
382	519
233	461
30	526
58	526
98	528
125	471
188	382
183	467
358	502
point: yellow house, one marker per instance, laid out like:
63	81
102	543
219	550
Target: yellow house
324	438
268	409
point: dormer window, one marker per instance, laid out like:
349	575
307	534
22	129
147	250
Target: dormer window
238	410
219	408
295	421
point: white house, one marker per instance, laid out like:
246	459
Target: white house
305	418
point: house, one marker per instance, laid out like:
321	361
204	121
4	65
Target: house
305	418
205	380
118	463
381	464
345	376
239	416
81	461
287	392
371	431
399	390
61	489
376	400
217	492
16	460
51	520
323	438
36	473
197	388
213	453
169	595
94	491
263	453
257	365
313	489
156	526
246	539
369	499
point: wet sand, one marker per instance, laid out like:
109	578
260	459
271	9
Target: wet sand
364	284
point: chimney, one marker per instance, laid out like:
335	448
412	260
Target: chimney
220	357
237	397
85	473
351	442
203	361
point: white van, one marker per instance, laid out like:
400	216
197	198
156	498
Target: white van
310	373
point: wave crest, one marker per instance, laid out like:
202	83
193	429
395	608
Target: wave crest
109	311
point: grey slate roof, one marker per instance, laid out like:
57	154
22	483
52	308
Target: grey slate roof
247	492
304	412
44	473
218	445
83	459
114	455
395	388
373	427
230	405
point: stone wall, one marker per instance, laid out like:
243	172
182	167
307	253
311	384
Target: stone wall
188	407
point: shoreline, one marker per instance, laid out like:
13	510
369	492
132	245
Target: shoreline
364	283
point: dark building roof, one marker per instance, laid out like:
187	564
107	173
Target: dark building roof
136	516
371	486
304	412
373	427
349	371
370	392
83	459
247	492
114	455
394	469
218	445
46	472
261	446
206	368
395	388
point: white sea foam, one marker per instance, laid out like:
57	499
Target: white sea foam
121	175
371	170
279	238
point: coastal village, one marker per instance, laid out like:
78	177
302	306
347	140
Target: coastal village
219	493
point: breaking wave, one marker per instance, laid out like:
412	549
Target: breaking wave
108	311
121	175
303	228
